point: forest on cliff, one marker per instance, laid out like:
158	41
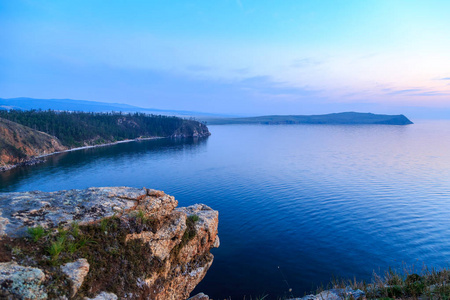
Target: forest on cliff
76	129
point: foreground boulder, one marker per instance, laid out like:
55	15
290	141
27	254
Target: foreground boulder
103	243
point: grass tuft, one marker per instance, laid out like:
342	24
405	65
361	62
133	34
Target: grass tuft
36	233
56	248
194	218
75	229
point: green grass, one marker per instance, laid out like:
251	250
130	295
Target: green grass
56	248
140	215
36	233
194	218
408	283
104	224
75	229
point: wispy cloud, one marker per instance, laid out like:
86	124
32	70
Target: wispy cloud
406	91
306	62
432	93
415	92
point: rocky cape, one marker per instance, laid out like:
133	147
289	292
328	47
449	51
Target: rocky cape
103	243
21	145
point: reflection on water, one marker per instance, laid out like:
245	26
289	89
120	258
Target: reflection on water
315	200
62	164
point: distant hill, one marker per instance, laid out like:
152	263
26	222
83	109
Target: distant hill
19	143
88	106
345	118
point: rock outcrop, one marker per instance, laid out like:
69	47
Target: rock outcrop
191	129
103	243
19	144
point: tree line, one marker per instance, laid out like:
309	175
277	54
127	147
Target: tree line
76	129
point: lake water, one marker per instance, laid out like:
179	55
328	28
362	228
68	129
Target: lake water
316	200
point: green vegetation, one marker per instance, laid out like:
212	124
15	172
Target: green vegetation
190	232
74	129
36	233
108	254
75	229
193	218
141	215
56	248
104	225
188	235
405	284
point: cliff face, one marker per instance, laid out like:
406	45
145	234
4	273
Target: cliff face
19	143
191	129
103	242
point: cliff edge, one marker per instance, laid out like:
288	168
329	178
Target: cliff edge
103	243
191	128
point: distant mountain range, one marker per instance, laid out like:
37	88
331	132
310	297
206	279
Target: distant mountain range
345	118
90	106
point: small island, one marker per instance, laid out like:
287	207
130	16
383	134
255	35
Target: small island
344	118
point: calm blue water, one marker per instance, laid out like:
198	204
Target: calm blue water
316	200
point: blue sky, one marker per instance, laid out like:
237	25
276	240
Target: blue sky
230	56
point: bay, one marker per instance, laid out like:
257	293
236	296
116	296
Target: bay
298	204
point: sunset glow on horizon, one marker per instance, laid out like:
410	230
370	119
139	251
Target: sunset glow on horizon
230	56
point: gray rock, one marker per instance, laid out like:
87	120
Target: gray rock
104	296
199	296
50	209
76	271
22	282
335	294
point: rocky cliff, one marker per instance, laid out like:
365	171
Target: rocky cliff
20	143
103	243
191	129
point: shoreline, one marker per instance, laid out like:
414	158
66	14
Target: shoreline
101	145
39	159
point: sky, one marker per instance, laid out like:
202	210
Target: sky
237	57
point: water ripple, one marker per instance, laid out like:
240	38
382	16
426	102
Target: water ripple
317	201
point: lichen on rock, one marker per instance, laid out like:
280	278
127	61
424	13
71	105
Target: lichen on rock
23	281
